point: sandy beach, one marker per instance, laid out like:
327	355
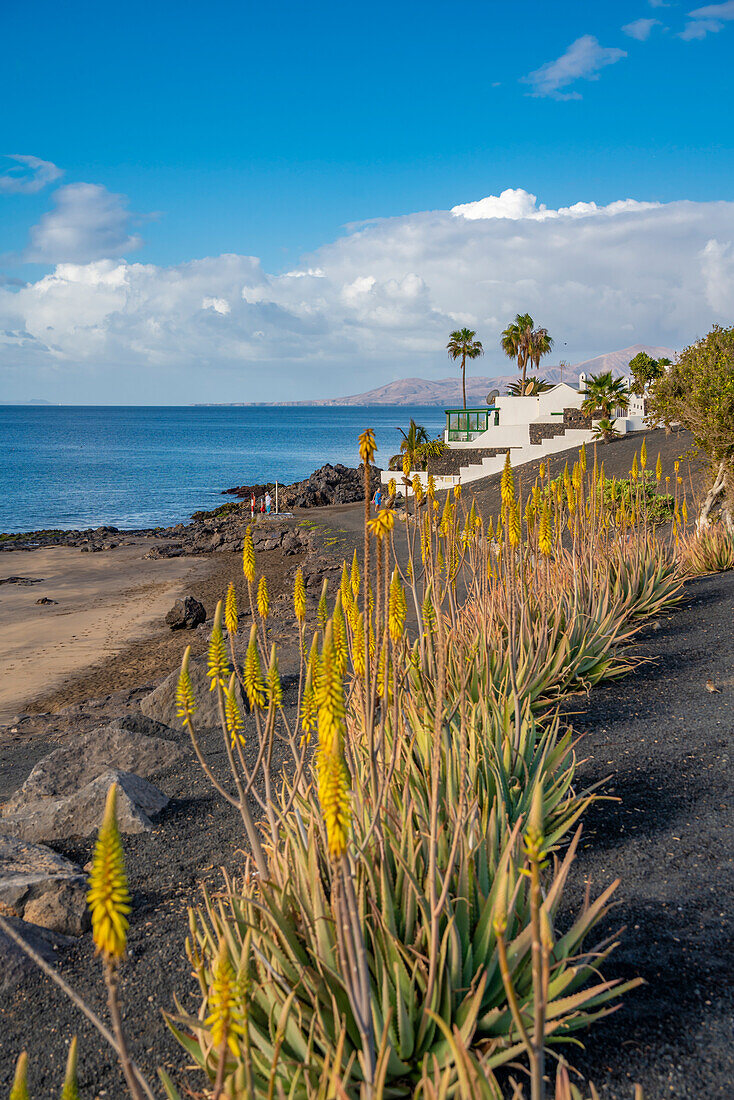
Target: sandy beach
104	602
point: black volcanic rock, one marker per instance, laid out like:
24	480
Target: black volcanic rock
186	614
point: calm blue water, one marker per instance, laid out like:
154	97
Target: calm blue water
76	467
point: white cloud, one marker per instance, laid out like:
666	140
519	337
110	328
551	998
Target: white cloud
709	19
714	11
717	266
641	29
518	204
28	175
219	305
583	60
386	294
88	223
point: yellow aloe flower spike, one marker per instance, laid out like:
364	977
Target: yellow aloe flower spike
658	468
354	576
514	529
635	469
275	688
541	471
431	486
676	466
329	695
217	659
230	610
248	557
232	714
406	465
340	636
367	446
457	492
224	1020
108	897
545	533
582	457
417	487
322	611
19	1091
253	673
382	524
185	701
507	484
263	599
392	487
396	608
299	596
333	791
643	455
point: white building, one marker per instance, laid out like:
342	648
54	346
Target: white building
528	427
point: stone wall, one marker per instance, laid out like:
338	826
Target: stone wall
452	461
539	432
574	418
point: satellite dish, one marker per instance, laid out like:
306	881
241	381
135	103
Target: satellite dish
492	396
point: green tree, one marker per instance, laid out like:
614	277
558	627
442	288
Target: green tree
540	344
516	340
644	370
462	345
412	440
697	392
605	393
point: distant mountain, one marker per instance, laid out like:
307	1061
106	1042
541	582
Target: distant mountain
33	401
615	361
447	391
423	391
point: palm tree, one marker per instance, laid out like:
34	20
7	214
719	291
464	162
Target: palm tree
533	386
605	392
462	345
515	341
540	344
605	430
412	439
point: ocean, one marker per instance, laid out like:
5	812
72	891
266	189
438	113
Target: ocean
71	467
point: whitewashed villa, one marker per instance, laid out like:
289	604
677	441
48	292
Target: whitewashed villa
528	427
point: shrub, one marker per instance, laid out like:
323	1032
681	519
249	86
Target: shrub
710	550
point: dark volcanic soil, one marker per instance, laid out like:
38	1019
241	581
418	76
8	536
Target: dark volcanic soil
666	742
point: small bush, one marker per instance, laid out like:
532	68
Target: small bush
708	551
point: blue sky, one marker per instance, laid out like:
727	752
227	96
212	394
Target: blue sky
265	130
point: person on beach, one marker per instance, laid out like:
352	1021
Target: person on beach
253	502
262	506
377	498
268	502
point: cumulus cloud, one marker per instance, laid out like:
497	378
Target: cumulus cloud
583	60
219	305
88	223
28	175
517	204
381	298
641	29
709	19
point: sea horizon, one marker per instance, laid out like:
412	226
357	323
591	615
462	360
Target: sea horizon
63	467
